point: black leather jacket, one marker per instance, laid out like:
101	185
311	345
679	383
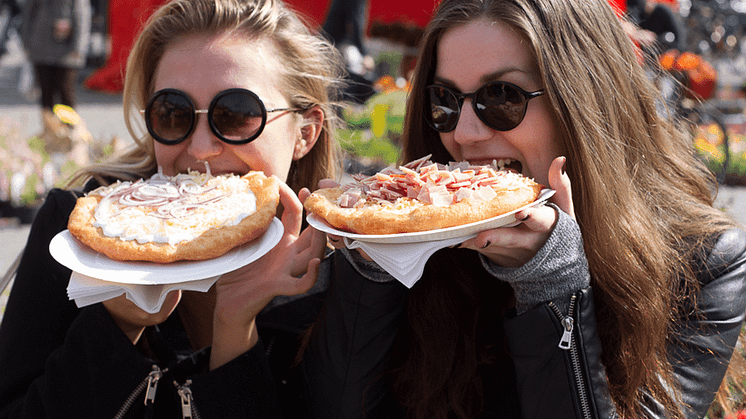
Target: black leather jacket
346	355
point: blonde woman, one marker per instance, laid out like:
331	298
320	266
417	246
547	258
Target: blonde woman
623	298
227	352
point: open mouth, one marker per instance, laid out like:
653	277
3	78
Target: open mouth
508	164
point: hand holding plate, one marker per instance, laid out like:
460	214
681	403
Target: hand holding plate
514	246
290	268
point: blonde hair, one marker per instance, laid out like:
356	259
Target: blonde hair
642	198
311	77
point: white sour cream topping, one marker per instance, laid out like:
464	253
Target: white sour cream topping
172	209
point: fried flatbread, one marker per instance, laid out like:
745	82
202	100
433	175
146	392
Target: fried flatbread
192	216
422	196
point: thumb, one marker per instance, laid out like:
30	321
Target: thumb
560	182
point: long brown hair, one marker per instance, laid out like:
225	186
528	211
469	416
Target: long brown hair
311	77
642	198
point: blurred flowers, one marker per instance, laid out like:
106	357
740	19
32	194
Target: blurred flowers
31	166
709	141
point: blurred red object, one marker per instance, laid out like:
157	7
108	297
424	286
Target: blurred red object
700	76
415	12
620	6
740	415
126	18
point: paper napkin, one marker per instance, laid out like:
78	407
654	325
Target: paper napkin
404	261
86	290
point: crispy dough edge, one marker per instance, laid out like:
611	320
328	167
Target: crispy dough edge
211	244
368	221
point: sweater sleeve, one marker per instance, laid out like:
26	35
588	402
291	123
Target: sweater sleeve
557	271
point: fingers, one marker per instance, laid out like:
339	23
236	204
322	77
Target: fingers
312	243
304	283
292	214
303	194
560	182
538	219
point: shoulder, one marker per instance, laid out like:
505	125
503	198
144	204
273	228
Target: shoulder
726	255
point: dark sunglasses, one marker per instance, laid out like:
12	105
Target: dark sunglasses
235	116
500	105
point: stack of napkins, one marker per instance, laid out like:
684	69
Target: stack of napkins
404	261
86	290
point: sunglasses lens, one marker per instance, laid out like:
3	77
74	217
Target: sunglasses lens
444	109
238	116
170	116
501	106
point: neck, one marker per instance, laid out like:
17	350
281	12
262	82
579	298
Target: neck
196	311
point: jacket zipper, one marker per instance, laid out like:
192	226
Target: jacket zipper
150	383
188	410
566	343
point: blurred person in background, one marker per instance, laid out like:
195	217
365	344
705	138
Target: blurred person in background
664	29
55	35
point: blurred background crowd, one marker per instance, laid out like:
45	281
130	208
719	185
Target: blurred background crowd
69	45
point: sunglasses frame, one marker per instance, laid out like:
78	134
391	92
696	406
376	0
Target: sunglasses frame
527	96
209	111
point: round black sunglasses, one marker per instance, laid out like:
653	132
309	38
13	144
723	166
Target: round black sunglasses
500	105
235	116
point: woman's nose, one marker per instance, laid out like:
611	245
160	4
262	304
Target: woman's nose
469	127
203	144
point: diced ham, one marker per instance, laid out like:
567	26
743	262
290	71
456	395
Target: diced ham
427	169
382	177
350	198
459	185
444	178
462	176
436	195
391	194
409	172
462	193
416	164
429	182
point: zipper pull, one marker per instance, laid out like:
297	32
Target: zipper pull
566	340
153	378
186	399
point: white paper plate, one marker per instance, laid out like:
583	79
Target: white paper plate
430	235
68	251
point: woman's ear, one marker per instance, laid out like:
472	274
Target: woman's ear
310	130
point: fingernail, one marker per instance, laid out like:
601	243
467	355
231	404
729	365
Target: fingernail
486	245
526	217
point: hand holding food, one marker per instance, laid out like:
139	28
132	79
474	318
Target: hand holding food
512	247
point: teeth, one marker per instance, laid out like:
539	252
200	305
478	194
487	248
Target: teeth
500	164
